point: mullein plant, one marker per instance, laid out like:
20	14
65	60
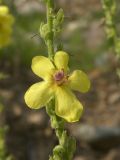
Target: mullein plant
109	8
55	90
6	22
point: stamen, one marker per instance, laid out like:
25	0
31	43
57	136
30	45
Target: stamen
59	75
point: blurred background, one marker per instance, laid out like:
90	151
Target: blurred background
29	135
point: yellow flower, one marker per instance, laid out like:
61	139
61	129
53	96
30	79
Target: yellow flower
57	84
6	21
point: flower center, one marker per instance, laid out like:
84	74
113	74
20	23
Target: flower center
59	77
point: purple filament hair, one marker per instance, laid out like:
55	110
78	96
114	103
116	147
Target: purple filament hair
59	76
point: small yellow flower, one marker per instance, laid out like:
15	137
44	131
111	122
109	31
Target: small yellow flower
6	21
57	84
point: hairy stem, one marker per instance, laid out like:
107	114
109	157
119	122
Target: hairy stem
50	40
109	7
66	147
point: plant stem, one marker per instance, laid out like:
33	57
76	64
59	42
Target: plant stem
67	145
109	8
50	40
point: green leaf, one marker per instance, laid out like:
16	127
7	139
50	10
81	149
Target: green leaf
59	152
44	31
60	16
57	22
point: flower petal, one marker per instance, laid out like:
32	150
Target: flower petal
38	95
79	81
42	66
4	10
66	105
61	60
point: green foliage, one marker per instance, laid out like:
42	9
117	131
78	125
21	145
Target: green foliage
3	153
27	42
67	144
2	144
58	21
3	129
109	7
44	31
